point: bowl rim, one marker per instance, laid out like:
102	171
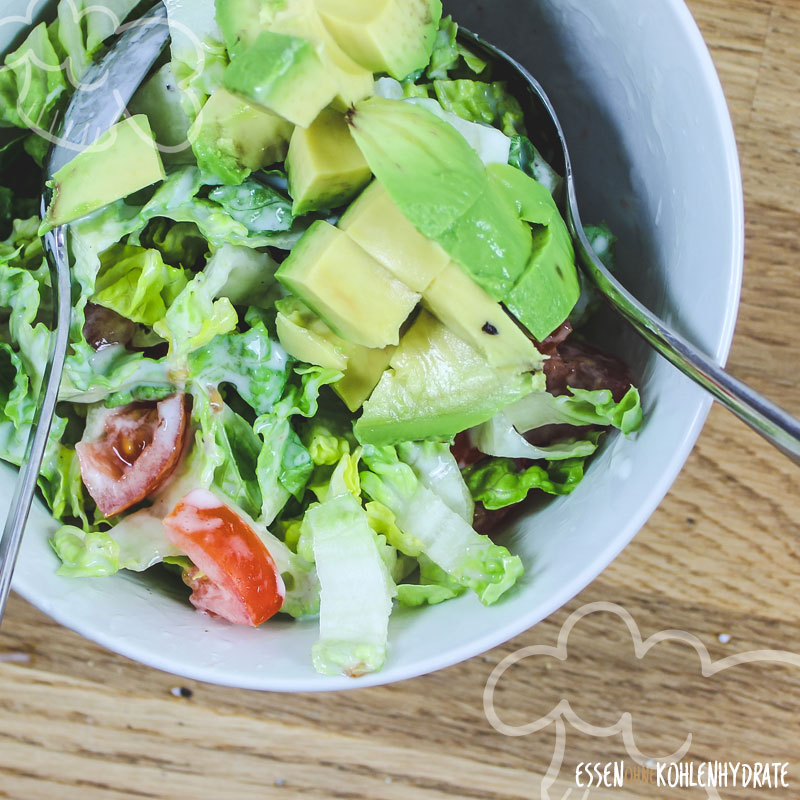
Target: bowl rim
702	405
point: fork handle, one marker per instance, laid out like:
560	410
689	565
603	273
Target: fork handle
40	430
767	419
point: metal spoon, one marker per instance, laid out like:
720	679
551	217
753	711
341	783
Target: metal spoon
97	104
764	417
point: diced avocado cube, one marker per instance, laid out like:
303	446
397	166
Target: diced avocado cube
301	18
394	36
376	223
548	291
364	371
232	138
241	21
325	166
307	338
353	294
437	387
460	304
283	74
304	336
122	161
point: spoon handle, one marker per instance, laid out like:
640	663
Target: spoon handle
763	416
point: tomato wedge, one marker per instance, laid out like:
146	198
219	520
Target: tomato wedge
234	576
138	448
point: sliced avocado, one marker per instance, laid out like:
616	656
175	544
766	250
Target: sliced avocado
548	291
394	36
460	304
437	387
376	223
301	18
325	166
160	99
533	200
491	242
232	138
283	74
307	338
442	187
353	294
94	178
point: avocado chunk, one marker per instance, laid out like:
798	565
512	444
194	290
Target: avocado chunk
442	187
325	166
94	178
393	36
376	223
283	74
532	200
437	387
232	138
241	21
301	18
460	304
352	293
548	291
307	338
364	370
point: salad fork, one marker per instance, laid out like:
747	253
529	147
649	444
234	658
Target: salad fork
97	104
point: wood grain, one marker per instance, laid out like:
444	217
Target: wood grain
718	559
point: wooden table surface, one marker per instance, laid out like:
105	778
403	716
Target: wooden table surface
720	560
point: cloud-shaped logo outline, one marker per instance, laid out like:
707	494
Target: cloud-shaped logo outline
563	713
30	61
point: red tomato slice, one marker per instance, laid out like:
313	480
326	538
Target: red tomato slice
139	448
234	577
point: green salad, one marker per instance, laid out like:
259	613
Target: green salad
327	321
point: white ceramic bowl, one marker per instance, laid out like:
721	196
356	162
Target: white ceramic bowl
656	158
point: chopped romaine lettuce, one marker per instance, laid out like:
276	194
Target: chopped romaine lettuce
472	560
487	103
498	482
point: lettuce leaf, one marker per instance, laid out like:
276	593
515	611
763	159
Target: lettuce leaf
498	483
524	156
470	559
285	464
85	555
256	206
435	586
356	586
580	407
448	53
499	437
437	469
486	103
251	362
137	284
